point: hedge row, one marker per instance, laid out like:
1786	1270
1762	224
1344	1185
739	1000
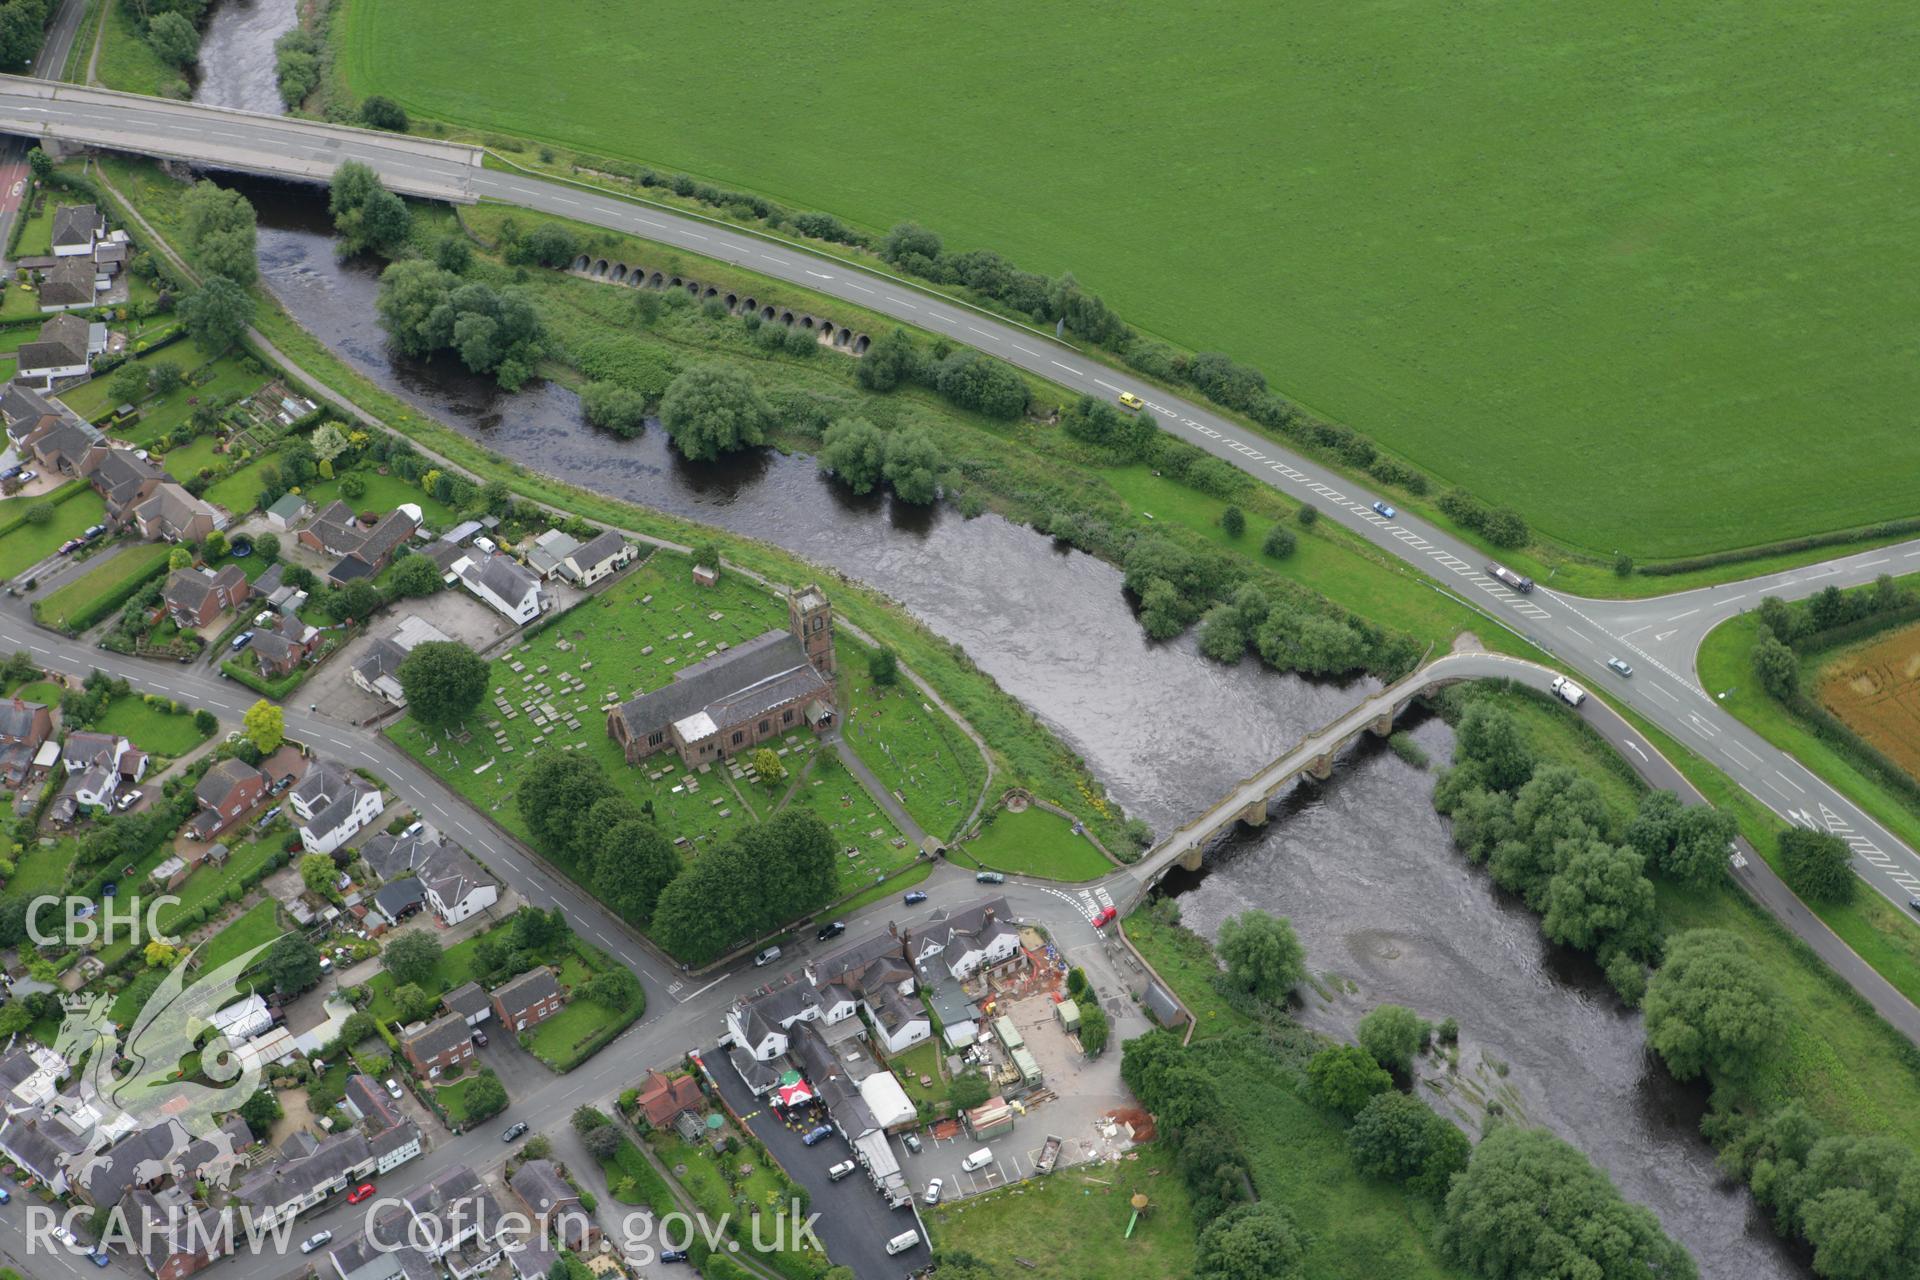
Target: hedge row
100	606
1833	538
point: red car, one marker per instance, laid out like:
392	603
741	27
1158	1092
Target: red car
360	1193
1105	917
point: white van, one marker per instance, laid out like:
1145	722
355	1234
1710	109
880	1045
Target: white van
978	1160
766	956
1569	692
903	1242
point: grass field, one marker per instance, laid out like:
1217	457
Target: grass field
149	728
1483	237
77	601
42	865
240	492
912	747
1036	842
29	544
227	378
127	61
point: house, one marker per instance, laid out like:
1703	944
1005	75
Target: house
548	555
23	727
391	857
399	899
378	669
289	510
434	1046
384	1253
86	750
504	583
122	477
469	1000
393	1139
42	1143
76	229
175	1237
70	284
363	550
60	445
294	1184
171	514
244	1019
193	598
528	1000
228	790
284	644
331	804
899	1021
63	350
605	553
761	1023
733	701
982	934
864	967
456	888
552	1203
459	1222
662	1097
29	1076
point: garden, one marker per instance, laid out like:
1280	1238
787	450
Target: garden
1035	841
70	510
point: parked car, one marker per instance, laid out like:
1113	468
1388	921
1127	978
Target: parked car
932	1193
1105	917
816	1133
514	1130
833	930
128	800
765	956
315	1241
6	1196
70	546
360	1193
10	473
990	877
393	1088
480	1037
93	531
65	1237
1620	666
28	477
242	640
100	1258
673	1255
1382	508
1914	903
916	896
841	1170
912	1143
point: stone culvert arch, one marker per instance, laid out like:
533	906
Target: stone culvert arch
827	332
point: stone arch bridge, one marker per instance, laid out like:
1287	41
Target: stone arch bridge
837	337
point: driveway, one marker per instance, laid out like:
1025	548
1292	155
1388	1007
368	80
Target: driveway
454	612
519	1071
855	1223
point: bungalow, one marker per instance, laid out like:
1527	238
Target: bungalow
400	900
378	669
283	645
70	284
363	550
456	888
604	553
528	1000
505	584
289	510
982	934
662	1097
227	791
332	804
62	351
76	229
552	1203
171	514
195	597
437	1045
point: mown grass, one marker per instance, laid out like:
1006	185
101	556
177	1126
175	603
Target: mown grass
29	544
42	865
1035	842
149	728
913	747
1187	964
257	925
1434	264
80	598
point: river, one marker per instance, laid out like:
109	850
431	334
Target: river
236	54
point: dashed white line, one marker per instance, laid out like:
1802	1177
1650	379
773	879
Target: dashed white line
1790	782
1688	614
862	288
818	275
1663	693
1056	364
1036	355
1108	385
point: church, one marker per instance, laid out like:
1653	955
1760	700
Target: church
736	700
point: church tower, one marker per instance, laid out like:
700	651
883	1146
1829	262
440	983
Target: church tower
811	619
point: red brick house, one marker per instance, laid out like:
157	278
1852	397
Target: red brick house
662	1097
195	597
528	1000
226	792
439	1044
23	727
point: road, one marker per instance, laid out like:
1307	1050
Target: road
47	65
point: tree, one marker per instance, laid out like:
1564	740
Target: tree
1707	1007
1094	1028
615	988
443	680
317	872
602	1143
413	957
205	722
260	1110
1393	1034
381	112
1250	1242
767	766
179	558
556	797
883	668
586	1119
968	1090
1280	541
1344	1077
129	383
1702	838
913	466
1528	1204
1489	737
1262	954
218	226
267	546
365	214
706	554
854	450
218	314
548	245
328	441
175	39
1234	521
292	965
167	378
633	864
412	1003
713	408
974	381
415	576
41	164
265	726
213	546
619	409
1600	897
1399	1137
1777	667
486	1096
1817	866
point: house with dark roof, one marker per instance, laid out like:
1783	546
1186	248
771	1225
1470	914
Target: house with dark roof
603	554
226	792
59	444
61	351
434	1046
733	701
363	550
899	1021
76	229
23	727
865	966
392	1138
503	582
547	557
171	514
69	285
331	804
194	598
552	1203
391	857
398	900
176	1237
463	1222
983	934
470	1001
22	408
456	887
528	1000
377	669
291	1186
284	644
385	1252
120	476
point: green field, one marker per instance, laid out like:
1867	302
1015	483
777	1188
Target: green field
1036	842
78	601
152	730
1511	242
240	492
29	544
42	865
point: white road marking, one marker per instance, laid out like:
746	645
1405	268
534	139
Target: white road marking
1751	758
818	275
1635	748
1056	364
862	288
1108	385
1036	354
1663	693
1688	614
1790	782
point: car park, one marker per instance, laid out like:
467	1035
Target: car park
932	1194
360	1193
393	1088
816	1134
1620	666
514	1130
1106	917
841	1170
1128	400
1381	508
990	877
915	897
829	931
315	1241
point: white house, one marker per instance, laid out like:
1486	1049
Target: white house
504	583
333	804
603	554
76	229
455	886
899	1021
983	934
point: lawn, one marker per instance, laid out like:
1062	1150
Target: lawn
90	597
29	544
870	846
240	492
1186	961
723	1204
185	462
42	866
383	494
44	692
1072	1225
455	968
228	378
909	1067
36	234
1036	842
150	728
1481	237
915	749
259	924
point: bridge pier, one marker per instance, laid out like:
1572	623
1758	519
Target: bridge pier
1381	726
1322	767
1255	814
1193	857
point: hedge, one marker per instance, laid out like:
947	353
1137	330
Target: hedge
109	601
1833	538
72	489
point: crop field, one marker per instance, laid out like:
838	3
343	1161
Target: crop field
1513	243
1875	689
